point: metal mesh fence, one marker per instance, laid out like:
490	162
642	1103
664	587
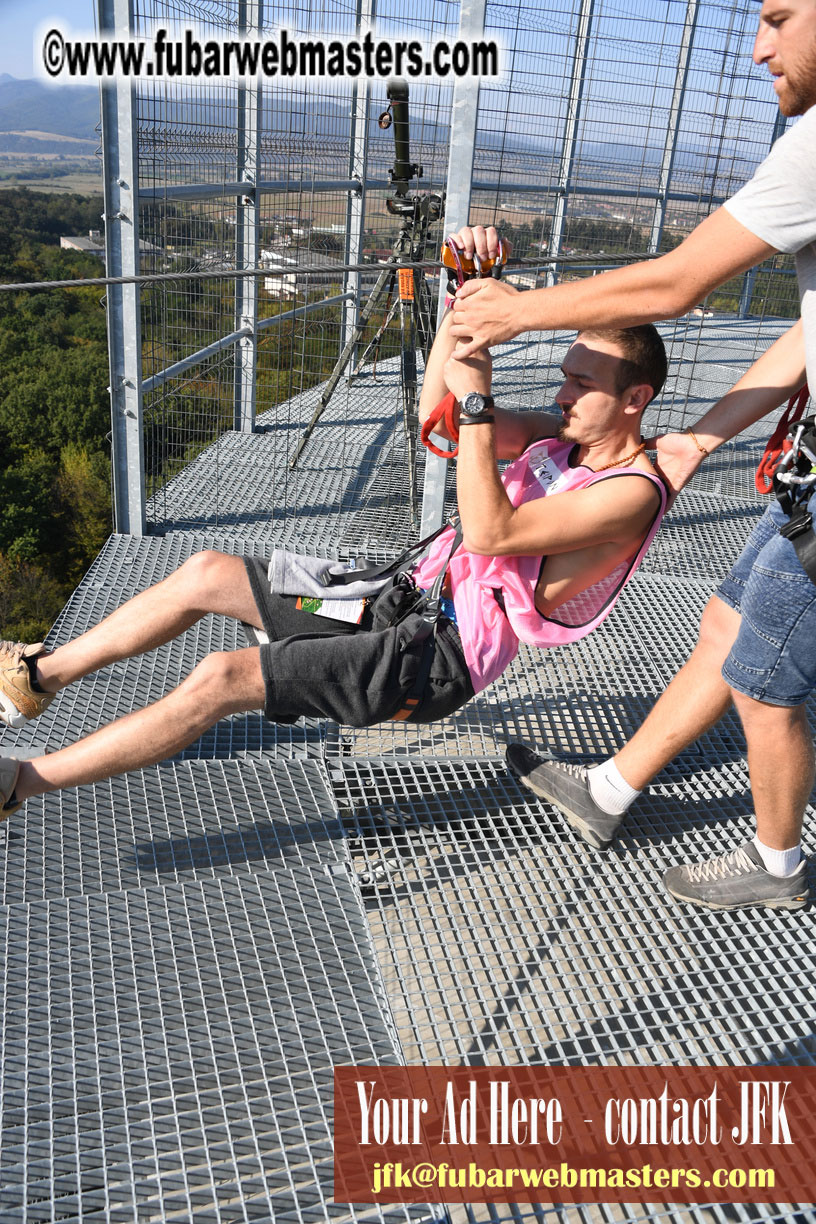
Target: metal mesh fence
611	134
623	104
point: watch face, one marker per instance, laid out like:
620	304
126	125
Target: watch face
474	404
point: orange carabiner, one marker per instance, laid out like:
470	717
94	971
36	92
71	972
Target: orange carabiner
464	268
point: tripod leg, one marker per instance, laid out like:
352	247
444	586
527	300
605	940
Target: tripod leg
376	340
387	275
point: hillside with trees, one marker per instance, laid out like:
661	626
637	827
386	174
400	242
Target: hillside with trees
54	411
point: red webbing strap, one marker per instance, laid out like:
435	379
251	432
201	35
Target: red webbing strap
776	443
444	411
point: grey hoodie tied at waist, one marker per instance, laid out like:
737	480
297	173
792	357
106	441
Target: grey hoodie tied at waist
291	574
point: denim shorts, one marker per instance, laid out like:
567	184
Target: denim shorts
773	658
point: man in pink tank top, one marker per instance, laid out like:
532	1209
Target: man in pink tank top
545	551
567	524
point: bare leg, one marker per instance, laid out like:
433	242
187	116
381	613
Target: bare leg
695	700
224	683
781	767
207	582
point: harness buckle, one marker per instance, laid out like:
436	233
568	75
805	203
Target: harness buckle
431	609
797	525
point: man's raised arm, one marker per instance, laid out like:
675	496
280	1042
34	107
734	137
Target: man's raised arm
608	516
514	430
488	312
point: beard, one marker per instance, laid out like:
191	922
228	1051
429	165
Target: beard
799	91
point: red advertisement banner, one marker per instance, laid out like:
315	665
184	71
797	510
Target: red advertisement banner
575	1134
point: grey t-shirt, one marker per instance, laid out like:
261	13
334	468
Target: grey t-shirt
779	206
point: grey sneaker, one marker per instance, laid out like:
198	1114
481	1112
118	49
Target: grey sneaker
565	785
737	879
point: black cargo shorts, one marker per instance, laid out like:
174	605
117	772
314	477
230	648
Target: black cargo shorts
358	675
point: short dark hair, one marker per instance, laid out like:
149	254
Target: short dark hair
644	355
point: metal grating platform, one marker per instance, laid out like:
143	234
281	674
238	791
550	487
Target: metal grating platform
337	497
505	939
189	949
169	823
510	940
168	1052
702	536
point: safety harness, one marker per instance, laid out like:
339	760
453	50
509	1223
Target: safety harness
794	482
779	440
428	604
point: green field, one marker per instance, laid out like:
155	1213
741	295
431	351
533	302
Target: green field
42	172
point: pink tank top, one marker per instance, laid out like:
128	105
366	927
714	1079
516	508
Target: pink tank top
490	636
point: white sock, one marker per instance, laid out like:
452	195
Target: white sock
609	788
779	862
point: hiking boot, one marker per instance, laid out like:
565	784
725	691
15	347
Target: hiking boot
736	879
18	700
9	772
565	785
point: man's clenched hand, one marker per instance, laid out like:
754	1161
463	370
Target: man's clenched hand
477	320
485	313
479	240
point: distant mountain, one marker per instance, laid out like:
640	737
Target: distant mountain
12	142
27	106
31	106
320	127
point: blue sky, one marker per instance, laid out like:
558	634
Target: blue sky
20	18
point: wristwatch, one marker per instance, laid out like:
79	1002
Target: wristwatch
476	409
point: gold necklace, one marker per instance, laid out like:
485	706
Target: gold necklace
623	462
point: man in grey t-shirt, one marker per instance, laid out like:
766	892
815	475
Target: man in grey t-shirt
757	644
779	206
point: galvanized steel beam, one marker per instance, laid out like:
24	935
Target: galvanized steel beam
217	191
121	190
579	62
459	190
194	359
212	350
355	204
673	127
247	230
